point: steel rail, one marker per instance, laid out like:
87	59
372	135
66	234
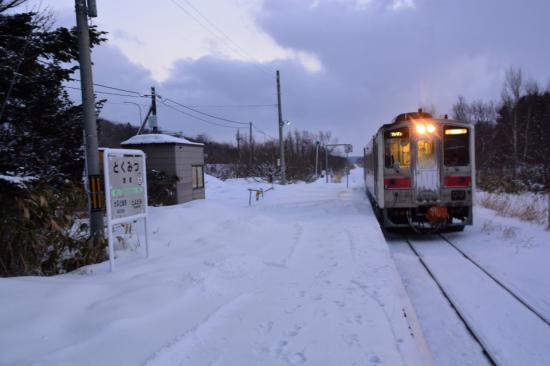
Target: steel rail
506	288
470	329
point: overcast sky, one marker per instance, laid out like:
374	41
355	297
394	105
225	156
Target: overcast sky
347	66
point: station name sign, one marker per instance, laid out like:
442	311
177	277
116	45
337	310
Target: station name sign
126	185
125	177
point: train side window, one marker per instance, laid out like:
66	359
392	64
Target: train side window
456	146
397	149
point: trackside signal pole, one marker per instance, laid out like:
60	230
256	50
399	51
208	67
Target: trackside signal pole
88	105
251	157
281	137
316	157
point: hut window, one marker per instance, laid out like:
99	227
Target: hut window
198	176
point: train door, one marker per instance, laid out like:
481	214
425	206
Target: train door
427	177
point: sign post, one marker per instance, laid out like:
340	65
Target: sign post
347	148
125	179
316	157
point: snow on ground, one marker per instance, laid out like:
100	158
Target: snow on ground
514	251
304	276
447	337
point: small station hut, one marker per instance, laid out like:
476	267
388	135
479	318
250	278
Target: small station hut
175	156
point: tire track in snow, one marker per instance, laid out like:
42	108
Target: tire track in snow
175	352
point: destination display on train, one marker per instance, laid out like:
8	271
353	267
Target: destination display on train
126	186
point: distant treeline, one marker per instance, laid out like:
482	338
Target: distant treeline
245	159
512	136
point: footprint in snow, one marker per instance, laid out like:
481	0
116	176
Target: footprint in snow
375	359
295	331
297	358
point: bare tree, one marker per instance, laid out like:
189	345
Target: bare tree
511	94
9	4
461	110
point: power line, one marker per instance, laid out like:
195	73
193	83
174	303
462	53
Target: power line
113	88
108	93
262	132
234	106
238	47
198	118
165	100
255	62
206	114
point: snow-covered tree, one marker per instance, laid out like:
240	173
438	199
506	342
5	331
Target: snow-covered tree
40	128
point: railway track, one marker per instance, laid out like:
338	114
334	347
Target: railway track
509	330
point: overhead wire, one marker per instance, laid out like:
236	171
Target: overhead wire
164	102
204	113
113	88
233	106
238	47
220	35
195	117
217	117
107	93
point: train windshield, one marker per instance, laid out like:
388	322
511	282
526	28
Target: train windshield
456	146
398	148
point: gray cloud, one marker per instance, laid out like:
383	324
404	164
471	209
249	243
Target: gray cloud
377	62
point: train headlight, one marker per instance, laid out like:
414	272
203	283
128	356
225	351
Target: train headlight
421	129
430	128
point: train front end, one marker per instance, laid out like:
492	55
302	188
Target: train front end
426	173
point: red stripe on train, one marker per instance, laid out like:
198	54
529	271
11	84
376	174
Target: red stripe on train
457	181
397	183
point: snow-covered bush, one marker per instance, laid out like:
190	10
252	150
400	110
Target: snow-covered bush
161	188
526	206
41	232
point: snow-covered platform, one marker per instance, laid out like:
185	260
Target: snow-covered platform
303	276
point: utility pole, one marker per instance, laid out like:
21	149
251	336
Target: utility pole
281	137
326	162
250	143
347	170
316	157
154	122
238	165
151	114
88	105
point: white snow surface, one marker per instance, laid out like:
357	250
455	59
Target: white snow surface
17	180
157	138
303	276
515	252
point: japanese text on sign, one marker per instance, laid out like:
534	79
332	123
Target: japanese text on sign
126	186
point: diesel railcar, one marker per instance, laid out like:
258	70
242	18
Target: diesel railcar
420	173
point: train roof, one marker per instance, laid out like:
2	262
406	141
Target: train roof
410	116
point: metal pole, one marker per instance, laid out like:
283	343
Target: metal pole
154	109
326	162
88	105
238	152
250	143
316	159
281	137
137	105
347	172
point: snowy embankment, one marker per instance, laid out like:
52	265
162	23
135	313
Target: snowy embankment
304	276
527	206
